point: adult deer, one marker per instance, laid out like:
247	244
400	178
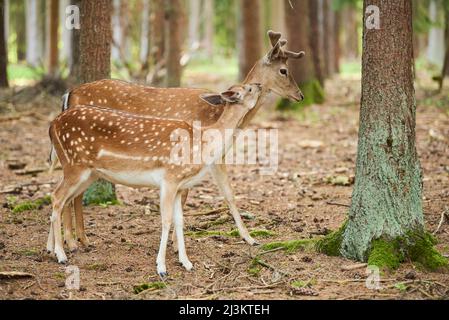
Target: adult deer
93	142
184	103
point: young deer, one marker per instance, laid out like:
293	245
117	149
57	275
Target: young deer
184	104
134	150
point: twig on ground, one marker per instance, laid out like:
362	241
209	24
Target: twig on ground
208	212
337	204
354	266
444	214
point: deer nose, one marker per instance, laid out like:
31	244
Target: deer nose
301	96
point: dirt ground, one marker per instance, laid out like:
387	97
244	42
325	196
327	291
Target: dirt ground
304	199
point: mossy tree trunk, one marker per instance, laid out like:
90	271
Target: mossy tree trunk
386	224
95	63
299	33
386	200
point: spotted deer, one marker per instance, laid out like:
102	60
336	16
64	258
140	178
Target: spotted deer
136	150
185	104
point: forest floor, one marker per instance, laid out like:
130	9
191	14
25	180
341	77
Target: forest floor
307	197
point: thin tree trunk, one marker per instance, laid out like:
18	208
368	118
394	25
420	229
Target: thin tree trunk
95	64
435	48
386	201
209	28
53	23
315	40
326	40
157	49
173	13
336	44
445	69
3	48
66	52
19	19
194	22
33	36
351	46
251	45
75	48
145	34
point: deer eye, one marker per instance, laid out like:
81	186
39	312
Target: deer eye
283	71
250	89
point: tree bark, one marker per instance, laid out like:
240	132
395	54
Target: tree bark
336	43
315	40
328	43
351	44
33	36
209	28
75	48
3	48
95	64
95	40
173	14
18	13
386	200
157	31
250	45
53	23
194	22
300	35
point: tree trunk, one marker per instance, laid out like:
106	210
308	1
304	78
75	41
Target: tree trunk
157	31
328	42
315	40
299	33
350	47
435	48
445	70
33	36
194	22
75	48
18	14
250	44
145	35
209	28
386	200
66	34
336	43
95	64
95	40
3	48
173	14
53	23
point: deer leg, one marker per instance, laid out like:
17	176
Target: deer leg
79	220
68	229
184	193
167	199
179	228
72	184
221	178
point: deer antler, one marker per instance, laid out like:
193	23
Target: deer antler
294	55
274	37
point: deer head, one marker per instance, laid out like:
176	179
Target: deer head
272	70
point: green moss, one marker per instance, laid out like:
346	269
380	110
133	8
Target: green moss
421	250
331	244
100	192
28	205
313	94
416	246
385	254
303	284
232	233
147	286
290	246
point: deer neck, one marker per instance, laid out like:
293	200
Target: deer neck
230	118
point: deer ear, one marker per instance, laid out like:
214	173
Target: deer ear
230	96
214	99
